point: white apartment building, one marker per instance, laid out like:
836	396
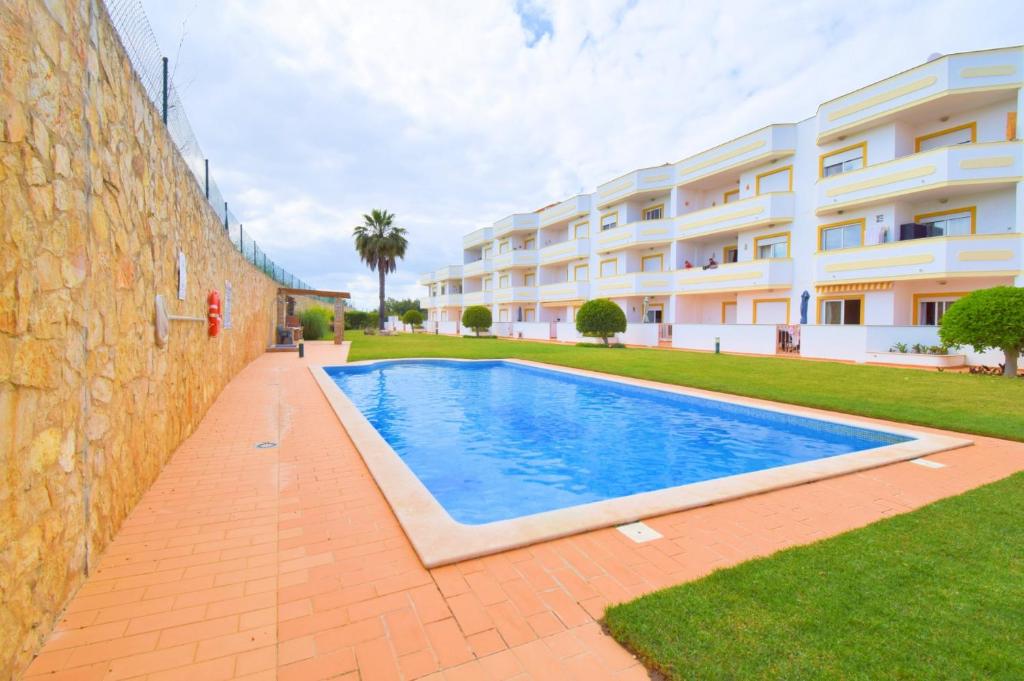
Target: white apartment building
836	237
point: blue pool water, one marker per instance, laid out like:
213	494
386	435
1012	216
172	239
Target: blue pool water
494	440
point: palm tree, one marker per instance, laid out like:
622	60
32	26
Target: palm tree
380	243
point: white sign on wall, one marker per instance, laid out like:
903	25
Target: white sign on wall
227	304
182	275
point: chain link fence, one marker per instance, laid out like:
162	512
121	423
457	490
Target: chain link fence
150	66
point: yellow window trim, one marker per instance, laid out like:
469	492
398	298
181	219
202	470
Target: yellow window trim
604	215
1011	126
530	279
529	242
973	210
575	272
821	159
576	228
731	192
504	281
758	240
659	256
942	295
725	253
973	126
725	305
783	169
821	300
757	301
650	208
600	267
821	231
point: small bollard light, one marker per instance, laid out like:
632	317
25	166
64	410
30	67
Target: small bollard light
717	344
302	349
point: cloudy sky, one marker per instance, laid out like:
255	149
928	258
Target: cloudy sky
455	114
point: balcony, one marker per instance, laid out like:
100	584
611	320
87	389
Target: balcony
478	298
939	172
446	300
516	259
566	210
725	162
758	211
637	184
478	268
942	257
515	224
737	276
564	291
956	82
644	233
633	284
565	251
478	237
448	273
516	294
426	279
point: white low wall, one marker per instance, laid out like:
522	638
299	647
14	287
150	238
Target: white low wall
747	338
448	327
639	334
532	330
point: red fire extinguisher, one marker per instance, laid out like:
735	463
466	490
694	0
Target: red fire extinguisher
213	302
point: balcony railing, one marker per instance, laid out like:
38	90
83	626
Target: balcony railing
478	268
518	222
478	298
564	291
951	256
565	251
727	160
980	166
646	180
737	276
633	284
478	237
644	233
757	211
566	210
513	259
516	294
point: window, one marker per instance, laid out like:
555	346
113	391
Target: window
835	236
654	314
953	222
581	230
730	254
486	253
731	195
842	311
728	312
771	311
778	180
843	160
529	279
961	134
488	282
504	247
652	263
609	268
929	311
609	221
529	243
503	315
503	281
528	314
772	246
581	273
654	212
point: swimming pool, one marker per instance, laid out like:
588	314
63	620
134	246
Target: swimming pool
482	445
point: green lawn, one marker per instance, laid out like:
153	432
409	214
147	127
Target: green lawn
933	594
987	405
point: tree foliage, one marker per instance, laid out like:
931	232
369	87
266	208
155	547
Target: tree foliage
477	317
988	318
400	307
356	319
600	318
380	243
413	318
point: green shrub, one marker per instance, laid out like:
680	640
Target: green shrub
988	318
355	319
413	318
477	317
600	318
598	345
316	322
372	320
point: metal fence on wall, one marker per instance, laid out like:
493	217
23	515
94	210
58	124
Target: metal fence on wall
150	65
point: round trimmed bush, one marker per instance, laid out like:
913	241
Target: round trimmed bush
600	318
476	317
413	318
988	318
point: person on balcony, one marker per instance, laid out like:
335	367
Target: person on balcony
687	265
711	264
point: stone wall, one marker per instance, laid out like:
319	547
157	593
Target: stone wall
95	203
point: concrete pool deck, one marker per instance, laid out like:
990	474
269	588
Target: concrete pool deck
288	563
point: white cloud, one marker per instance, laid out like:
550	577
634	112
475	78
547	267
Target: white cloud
451	119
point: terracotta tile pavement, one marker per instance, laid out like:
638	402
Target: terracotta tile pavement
245	563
